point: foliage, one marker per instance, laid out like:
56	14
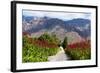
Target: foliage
65	43
79	51
49	38
79	54
44	43
82	44
35	53
38	49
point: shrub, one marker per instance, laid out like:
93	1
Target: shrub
50	38
79	51
32	52
79	54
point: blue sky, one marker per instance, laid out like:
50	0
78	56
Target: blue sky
60	15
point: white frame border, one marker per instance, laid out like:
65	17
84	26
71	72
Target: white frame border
21	66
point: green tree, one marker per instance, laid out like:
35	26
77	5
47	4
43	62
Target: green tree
50	38
55	39
65	43
44	36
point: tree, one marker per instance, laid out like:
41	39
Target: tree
55	39
65	43
45	36
50	38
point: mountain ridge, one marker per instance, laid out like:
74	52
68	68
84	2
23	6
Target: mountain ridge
39	25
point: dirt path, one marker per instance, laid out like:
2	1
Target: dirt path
60	56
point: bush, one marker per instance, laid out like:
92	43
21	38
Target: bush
79	54
35	53
50	38
79	51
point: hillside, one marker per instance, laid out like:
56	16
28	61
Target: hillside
78	29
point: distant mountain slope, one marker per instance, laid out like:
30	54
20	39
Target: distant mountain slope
38	25
73	37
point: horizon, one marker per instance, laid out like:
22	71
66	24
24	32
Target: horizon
61	15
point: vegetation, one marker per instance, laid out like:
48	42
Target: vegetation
49	38
38	50
65	43
79	51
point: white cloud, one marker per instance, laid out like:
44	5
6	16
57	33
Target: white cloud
61	15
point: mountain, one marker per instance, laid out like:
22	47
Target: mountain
78	22
74	37
32	24
38	25
81	26
27	18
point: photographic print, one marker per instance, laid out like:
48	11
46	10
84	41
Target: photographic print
47	36
55	36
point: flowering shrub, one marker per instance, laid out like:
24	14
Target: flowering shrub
79	51
79	54
43	43
38	49
83	45
35	50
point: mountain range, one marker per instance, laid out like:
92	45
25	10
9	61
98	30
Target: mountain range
79	28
